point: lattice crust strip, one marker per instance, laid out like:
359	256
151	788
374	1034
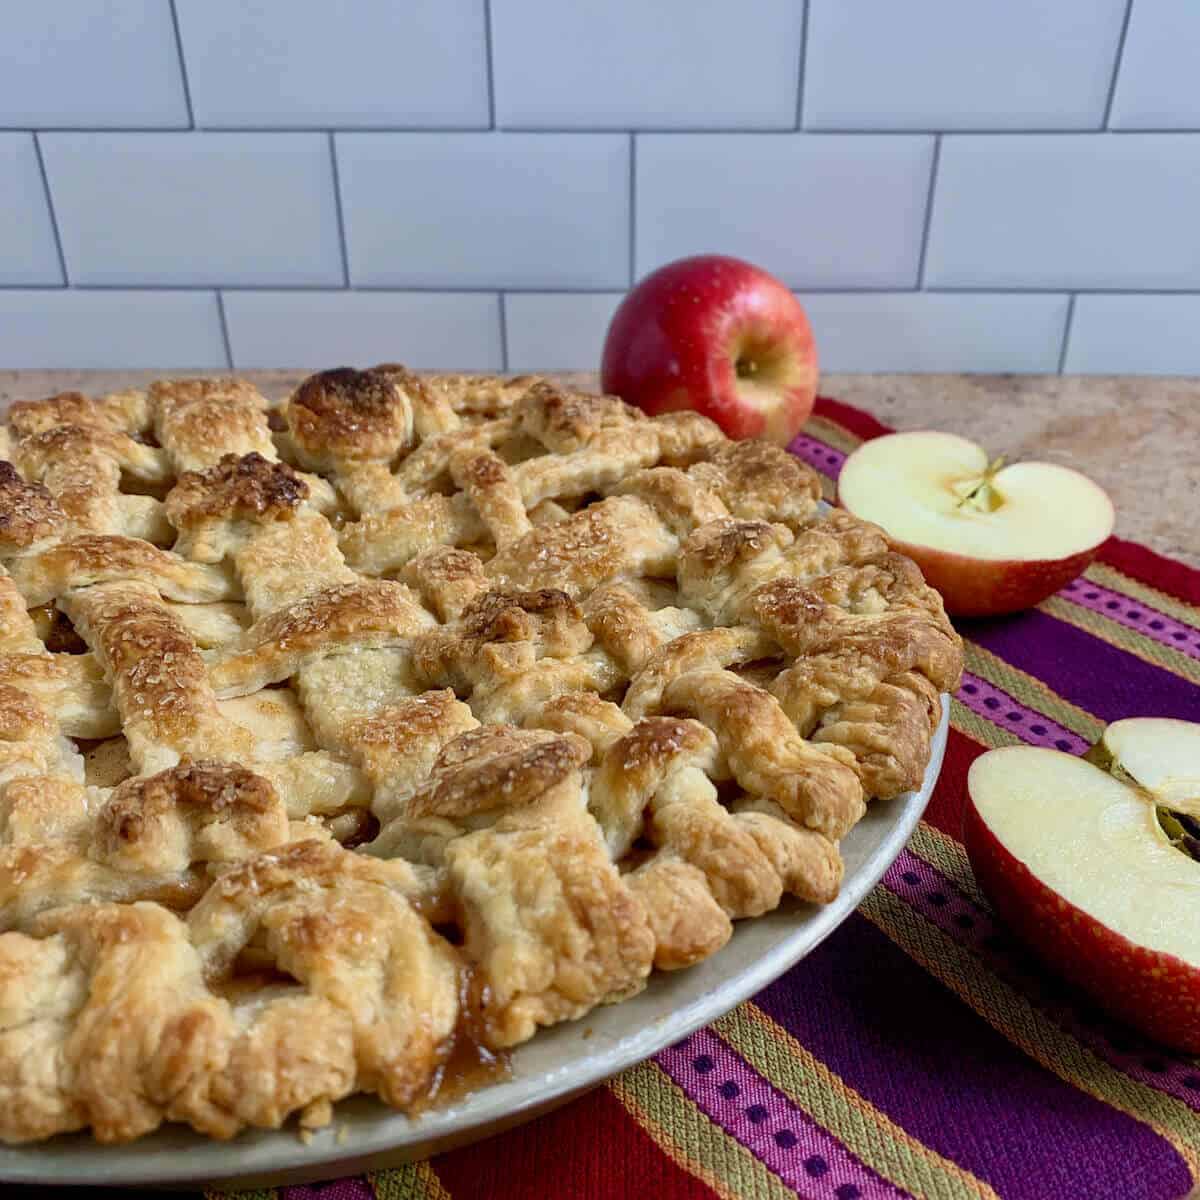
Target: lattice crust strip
408	710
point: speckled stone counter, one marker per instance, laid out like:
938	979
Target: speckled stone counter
1138	437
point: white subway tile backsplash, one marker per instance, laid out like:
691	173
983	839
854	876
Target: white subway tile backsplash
474	183
369	63
95	65
486	210
27	251
557	331
944	64
322	329
819	211
1066	211
1157	82
919	331
1134	335
625	64
66	328
195	208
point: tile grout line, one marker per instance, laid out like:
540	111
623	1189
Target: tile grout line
503	306
224	327
269	129
929	198
183	75
62	258
802	72
491	73
337	206
1068	324
1059	290
632	209
1063	289
1116	70
601	130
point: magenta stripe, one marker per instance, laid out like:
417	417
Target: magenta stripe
821	457
354	1188
997	706
1097	675
937	898
1133	614
808	1158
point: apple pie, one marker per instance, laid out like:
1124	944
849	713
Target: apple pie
407	711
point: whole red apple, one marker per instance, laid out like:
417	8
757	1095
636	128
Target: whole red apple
720	336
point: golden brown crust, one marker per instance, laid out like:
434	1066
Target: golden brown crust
759	481
565	421
494	766
614	537
160	684
373	612
349	415
447	579
479	396
247	487
200	420
432	413
28	512
214	510
118	412
687	922
178	393
80	562
199	811
549	923
581	686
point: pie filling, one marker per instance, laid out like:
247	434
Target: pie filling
346	742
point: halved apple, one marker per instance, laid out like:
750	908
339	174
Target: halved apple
1156	753
1078	865
991	538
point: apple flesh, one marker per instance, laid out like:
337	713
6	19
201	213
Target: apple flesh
992	539
720	336
1077	865
1156	753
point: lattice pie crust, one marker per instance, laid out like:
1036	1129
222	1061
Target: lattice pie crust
405	710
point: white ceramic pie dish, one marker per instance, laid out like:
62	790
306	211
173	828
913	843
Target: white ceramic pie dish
556	1065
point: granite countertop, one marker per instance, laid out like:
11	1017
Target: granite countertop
1138	437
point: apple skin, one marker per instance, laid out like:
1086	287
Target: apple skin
1156	993
982	587
676	339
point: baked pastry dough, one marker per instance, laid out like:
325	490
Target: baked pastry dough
408	710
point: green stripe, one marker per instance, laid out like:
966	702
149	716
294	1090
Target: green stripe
867	1133
412	1181
1030	691
701	1146
827	430
1015	1016
947	855
1110	577
980	729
